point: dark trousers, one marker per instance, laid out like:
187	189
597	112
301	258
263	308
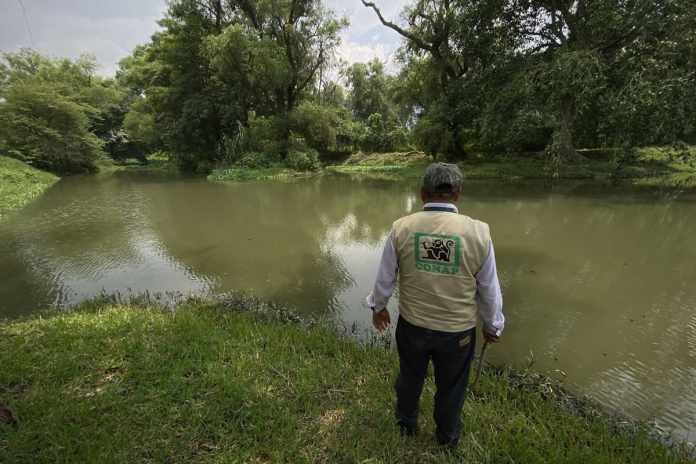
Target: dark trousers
452	353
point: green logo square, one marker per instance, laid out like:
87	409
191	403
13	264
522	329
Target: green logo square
436	253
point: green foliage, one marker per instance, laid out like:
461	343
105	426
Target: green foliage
20	183
663	167
256	160
368	89
140	125
47	130
657	98
379	135
51	111
318	124
224	78
303	160
111	102
121	147
523	130
373	104
433	135
239	174
523	75
264	134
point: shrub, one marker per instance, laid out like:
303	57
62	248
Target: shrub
257	160
140	125
317	124
43	128
433	135
303	160
121	147
378	134
264	135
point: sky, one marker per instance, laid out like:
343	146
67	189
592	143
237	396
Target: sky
110	29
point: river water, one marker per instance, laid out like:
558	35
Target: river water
599	284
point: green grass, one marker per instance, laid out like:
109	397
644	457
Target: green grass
112	383
391	166
245	174
654	166
664	166
156	162
20	183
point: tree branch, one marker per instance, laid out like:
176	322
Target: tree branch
416	40
250	11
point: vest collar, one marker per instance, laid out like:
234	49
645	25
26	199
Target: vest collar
446	207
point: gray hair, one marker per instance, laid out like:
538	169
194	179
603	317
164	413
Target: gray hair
442	178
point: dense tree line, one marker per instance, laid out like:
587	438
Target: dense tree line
257	82
56	114
247	82
228	78
521	75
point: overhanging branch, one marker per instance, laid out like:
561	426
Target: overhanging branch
403	32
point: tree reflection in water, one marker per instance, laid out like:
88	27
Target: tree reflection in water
597	283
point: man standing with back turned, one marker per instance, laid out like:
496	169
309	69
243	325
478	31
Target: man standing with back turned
447	279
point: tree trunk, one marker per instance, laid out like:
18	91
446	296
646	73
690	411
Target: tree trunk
458	152
563	143
218	16
289	106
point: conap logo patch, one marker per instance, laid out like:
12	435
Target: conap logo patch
437	253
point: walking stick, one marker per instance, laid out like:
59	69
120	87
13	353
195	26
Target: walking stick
480	363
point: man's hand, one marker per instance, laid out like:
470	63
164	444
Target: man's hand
491	337
381	319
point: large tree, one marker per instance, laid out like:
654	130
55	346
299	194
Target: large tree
570	48
54	111
517	73
217	65
449	45
369	89
655	97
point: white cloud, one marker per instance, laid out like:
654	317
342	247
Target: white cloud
70	28
110	29
353	52
364	19
367	37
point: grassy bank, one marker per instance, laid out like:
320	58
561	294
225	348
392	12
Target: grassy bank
156	162
235	174
653	166
20	183
111	383
393	166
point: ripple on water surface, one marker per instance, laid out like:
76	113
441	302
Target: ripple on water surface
598	285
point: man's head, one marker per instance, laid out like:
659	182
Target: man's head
442	182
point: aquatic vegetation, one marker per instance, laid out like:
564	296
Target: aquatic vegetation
651	166
239	174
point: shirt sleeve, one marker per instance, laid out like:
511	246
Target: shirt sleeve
385	283
489	296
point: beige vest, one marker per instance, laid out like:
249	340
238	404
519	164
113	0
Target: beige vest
439	255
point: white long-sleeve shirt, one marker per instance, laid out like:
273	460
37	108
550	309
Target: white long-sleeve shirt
489	298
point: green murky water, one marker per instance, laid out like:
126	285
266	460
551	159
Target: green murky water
598	284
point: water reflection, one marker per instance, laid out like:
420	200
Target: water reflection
85	237
596	284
